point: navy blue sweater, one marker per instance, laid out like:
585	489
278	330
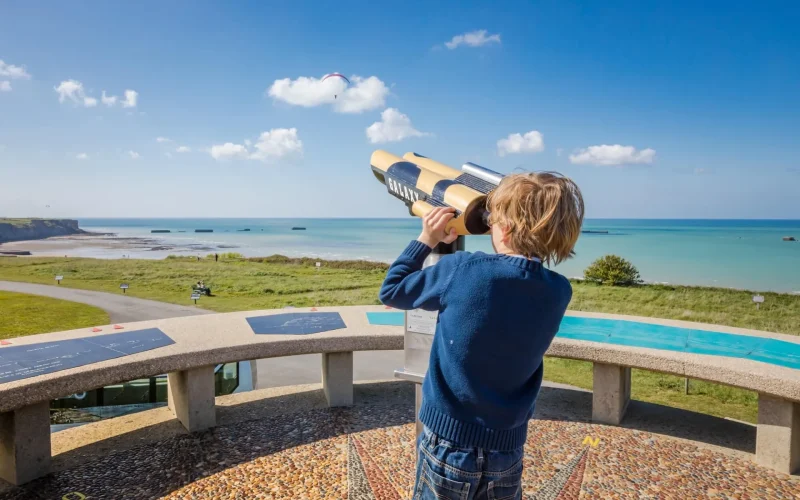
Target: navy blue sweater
498	315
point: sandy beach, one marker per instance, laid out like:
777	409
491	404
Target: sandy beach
99	244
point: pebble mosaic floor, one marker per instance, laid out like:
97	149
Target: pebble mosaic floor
367	453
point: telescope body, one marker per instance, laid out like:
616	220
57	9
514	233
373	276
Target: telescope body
424	184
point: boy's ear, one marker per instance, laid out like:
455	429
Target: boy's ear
506	238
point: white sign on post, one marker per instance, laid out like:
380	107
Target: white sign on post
421	321
59	278
758	299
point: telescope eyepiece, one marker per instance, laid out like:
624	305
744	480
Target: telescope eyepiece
476	219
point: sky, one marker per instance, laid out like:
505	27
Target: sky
218	109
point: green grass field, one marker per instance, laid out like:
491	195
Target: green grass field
15	222
274	282
22	314
26	221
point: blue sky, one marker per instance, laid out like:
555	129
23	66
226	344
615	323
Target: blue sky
656	109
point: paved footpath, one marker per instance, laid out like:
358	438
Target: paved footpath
121	308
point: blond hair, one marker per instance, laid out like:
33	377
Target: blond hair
542	213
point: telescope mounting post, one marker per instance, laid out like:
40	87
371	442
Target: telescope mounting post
420	326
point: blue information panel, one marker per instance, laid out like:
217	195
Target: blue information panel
671	338
391	318
27	361
296	323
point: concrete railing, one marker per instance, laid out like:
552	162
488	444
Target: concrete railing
201	342
778	387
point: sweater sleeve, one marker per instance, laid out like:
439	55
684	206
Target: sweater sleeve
409	286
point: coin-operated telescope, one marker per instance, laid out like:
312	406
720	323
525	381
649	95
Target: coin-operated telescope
423	184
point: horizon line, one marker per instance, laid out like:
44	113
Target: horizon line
402	218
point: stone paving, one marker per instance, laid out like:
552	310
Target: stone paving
367	453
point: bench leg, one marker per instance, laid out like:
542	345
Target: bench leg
190	396
253	373
337	378
778	435
25	443
611	393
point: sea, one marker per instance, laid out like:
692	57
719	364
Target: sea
742	254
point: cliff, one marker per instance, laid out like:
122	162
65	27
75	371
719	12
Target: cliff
36	229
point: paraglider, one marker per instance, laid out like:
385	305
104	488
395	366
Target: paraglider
336	75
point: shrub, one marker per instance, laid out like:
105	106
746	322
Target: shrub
612	270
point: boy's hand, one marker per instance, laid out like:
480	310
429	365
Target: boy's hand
433	226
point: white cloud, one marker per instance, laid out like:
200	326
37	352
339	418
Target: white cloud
108	100
472	39
228	150
12	71
277	143
70	89
82	156
612	155
183	149
271	145
5	86
131	96
248	142
394	126
363	94
163	139
74	91
531	142
134	155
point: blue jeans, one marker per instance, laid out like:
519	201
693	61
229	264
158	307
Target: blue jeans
448	472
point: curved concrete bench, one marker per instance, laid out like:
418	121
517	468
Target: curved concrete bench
778	387
201	342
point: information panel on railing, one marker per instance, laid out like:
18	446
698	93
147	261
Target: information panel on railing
25	361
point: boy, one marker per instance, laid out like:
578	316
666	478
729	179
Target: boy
498	314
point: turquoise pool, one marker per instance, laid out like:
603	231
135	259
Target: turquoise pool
668	338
